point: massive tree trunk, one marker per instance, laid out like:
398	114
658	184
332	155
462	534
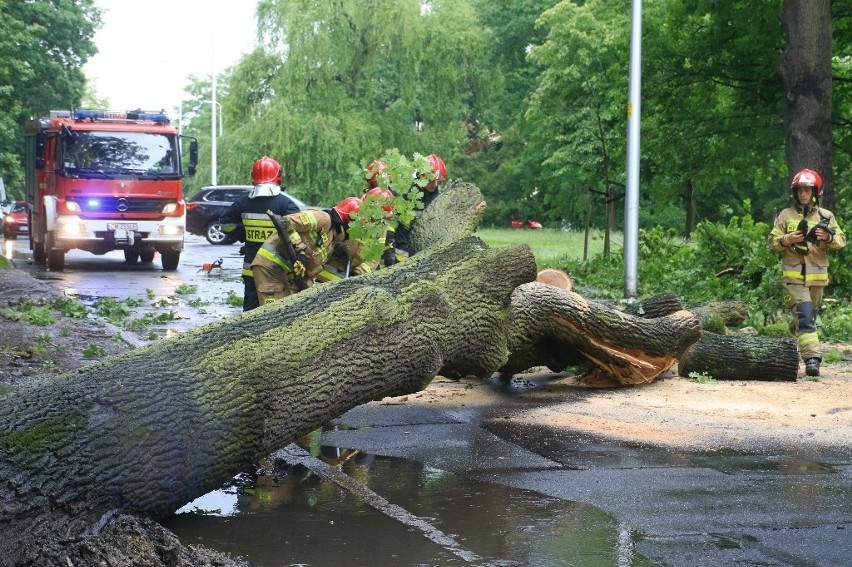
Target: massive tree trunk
805	72
149	430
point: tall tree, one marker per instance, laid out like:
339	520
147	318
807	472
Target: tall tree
577	122
805	71
338	83
43	48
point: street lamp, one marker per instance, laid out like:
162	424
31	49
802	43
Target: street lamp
213	105
219	106
213	135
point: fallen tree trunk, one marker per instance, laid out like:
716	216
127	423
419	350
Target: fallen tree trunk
741	357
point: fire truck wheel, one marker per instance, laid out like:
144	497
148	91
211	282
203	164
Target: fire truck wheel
131	256
170	259
39	256
147	256
55	258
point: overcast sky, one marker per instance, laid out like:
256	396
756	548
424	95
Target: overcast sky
147	49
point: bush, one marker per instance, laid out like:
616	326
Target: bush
730	261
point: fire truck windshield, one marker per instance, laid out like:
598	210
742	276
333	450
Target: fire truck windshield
115	153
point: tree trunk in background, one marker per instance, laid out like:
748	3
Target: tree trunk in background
691	212
805	72
610	220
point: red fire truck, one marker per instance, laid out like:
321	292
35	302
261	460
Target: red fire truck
101	180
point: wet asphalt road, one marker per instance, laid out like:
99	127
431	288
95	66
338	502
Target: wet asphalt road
788	507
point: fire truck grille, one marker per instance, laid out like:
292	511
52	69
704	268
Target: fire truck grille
110	205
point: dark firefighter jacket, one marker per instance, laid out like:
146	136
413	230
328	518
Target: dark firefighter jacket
247	220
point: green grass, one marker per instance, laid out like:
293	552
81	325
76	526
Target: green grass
550	247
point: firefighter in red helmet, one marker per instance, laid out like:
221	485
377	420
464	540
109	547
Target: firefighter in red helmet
803	234
375	173
246	218
314	234
437	176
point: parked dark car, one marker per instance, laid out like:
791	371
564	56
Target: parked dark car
205	207
15	222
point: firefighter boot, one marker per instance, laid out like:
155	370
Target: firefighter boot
812	366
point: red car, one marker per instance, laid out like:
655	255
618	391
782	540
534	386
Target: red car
15	222
525	224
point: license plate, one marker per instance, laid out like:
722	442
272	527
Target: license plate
122	226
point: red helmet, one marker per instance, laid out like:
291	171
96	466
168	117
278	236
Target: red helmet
375	169
438	167
346	207
384	194
266	170
807	178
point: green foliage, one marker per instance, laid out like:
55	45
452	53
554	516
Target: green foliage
112	310
41	345
94	351
369	224
234	299
34	314
337	82
832	355
723	261
43	47
701	378
836	319
70	307
186	289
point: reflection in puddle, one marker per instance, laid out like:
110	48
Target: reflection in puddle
292	516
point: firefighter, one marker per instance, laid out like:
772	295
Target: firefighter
247	221
375	173
391	226
314	233
803	234
345	259
438	176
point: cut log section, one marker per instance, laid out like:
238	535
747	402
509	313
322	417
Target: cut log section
741	357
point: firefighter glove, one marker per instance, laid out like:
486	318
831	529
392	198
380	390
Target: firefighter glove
299	266
823	224
389	257
802	247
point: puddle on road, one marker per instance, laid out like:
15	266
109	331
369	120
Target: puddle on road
292	517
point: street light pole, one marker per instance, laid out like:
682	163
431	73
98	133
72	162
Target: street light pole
219	107
631	203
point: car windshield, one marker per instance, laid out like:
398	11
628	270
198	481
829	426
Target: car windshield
18	208
103	153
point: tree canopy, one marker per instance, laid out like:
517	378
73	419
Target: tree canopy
525	99
43	48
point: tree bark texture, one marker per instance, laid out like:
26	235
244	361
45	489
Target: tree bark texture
805	72
740	357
